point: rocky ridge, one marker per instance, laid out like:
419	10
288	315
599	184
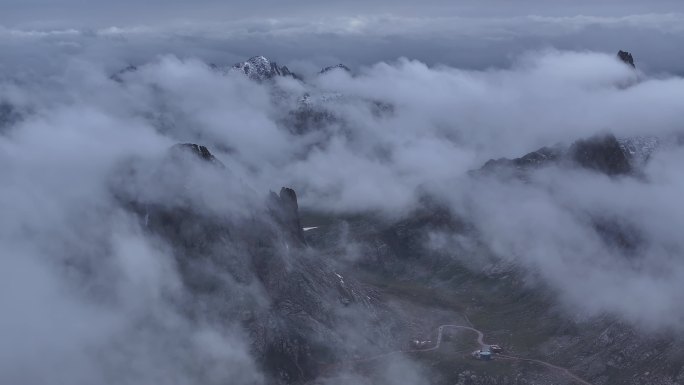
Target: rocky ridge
602	153
260	68
292	318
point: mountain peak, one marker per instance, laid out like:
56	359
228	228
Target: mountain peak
118	77
261	68
196	150
601	153
626	58
335	67
285	209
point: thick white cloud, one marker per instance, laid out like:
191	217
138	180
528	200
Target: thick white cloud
78	126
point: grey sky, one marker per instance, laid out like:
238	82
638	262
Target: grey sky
306	34
100	12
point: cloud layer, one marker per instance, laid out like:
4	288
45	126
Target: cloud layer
306	42
88	295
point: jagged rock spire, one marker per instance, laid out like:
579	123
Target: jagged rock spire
626	58
286	211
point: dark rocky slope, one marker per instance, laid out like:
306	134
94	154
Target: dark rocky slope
602	153
254	270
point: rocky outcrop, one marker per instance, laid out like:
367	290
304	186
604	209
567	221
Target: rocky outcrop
257	68
543	157
119	76
626	58
601	153
253	270
199	151
260	68
639	149
310	114
340	66
286	211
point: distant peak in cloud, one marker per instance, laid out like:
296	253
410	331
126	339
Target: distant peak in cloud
118	77
198	150
335	67
601	153
261	68
626	58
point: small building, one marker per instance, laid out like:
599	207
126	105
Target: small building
486	353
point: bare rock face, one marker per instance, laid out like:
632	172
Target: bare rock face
260	68
336	67
601	153
545	156
626	58
285	210
639	148
201	152
252	271
119	76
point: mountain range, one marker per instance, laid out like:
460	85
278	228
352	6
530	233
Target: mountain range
282	272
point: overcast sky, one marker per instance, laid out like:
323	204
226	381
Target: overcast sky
305	34
89	12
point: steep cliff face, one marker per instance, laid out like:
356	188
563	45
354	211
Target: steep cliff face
285	210
601	154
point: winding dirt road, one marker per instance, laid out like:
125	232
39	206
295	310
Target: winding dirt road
480	341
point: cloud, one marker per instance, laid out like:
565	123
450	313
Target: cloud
100	298
460	39
548	228
88	295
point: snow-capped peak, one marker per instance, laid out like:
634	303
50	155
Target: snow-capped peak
261	68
